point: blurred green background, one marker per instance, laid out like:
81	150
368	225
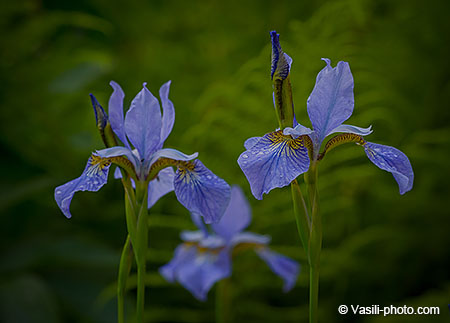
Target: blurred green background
379	247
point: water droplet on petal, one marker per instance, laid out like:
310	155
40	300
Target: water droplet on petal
58	192
245	156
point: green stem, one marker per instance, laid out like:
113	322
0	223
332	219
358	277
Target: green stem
224	300
124	271
141	247
315	242
301	215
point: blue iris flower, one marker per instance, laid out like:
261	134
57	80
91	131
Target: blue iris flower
277	158
205	258
143	131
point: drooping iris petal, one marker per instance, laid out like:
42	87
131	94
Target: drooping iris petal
353	129
115	109
168	117
192	236
281	62
273	162
203	271
201	191
94	176
331	101
282	266
183	254
237	216
250	142
249	238
143	123
160	186
394	161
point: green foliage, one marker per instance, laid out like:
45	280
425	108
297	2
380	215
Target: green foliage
379	247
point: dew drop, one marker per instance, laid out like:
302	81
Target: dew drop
58	192
245	156
208	177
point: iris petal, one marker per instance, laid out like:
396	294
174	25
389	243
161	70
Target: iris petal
115	109
394	161
273	162
201	191
281	62
120	151
203	271
94	176
298	130
143	123
237	216
249	237
250	142
183	254
352	129
168	117
282	266
170	153
160	186
331	101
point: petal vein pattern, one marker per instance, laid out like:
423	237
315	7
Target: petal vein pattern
274	161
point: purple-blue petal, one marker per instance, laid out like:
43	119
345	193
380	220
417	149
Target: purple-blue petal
143	123
169	153
120	151
198	221
250	142
249	237
201	191
331	101
168	117
237	216
298	130
101	118
203	271
94	176
275	161
282	266
115	109
183	254
352	129
394	161
160	186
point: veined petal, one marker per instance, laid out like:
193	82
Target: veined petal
249	237
160	186
352	129
201	191
394	161
250	142
168	117
115	109
299	130
281	62
282	266
203	271
143	123
94	176
331	101
237	216
273	162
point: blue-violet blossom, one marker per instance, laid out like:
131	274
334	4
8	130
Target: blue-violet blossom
205	258
277	158
143	131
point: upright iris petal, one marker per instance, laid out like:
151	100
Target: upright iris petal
394	161
274	161
201	191
331	101
168	117
94	176
143	123
237	216
116	117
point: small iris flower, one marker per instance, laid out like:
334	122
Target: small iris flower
142	132
279	157
205	258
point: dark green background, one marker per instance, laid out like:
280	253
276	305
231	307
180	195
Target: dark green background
379	247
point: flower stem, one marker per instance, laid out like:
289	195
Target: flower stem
301	215
224	300
315	242
140	250
124	271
